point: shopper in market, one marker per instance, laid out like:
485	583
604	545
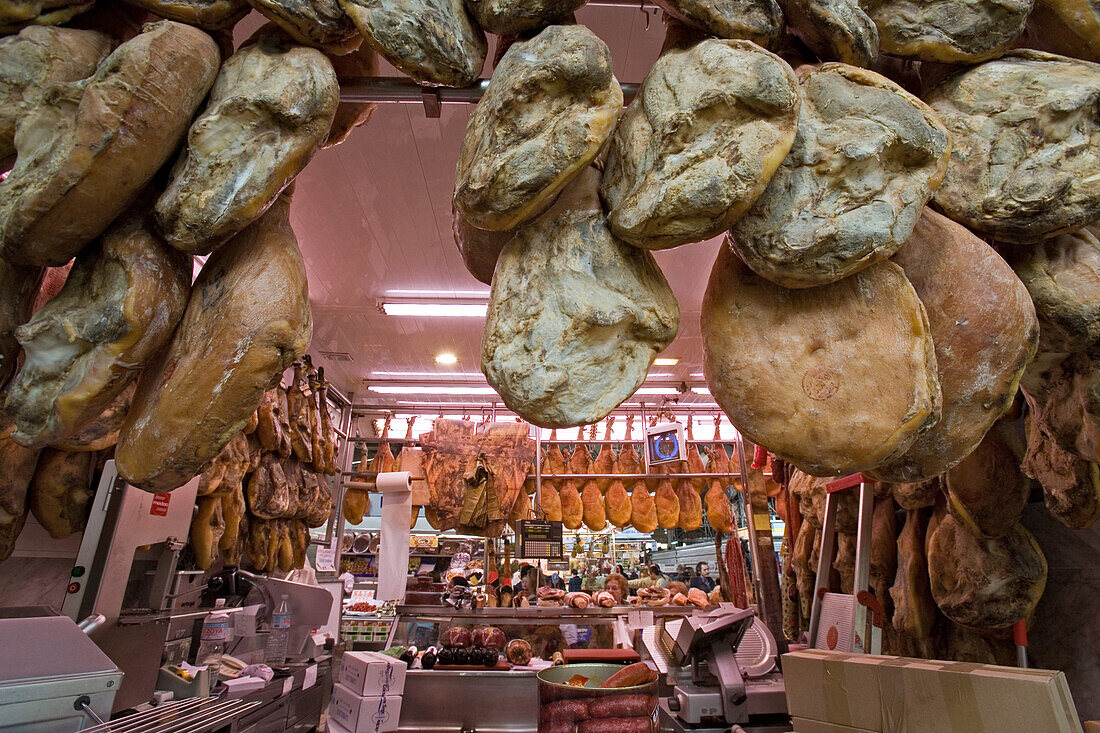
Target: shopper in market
592	582
575	581
702	580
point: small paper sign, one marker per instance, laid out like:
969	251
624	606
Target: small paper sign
326	559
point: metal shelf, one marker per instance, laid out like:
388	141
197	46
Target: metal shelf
372	474
192	715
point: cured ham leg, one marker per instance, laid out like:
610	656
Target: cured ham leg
668	505
605	459
643	510
914	607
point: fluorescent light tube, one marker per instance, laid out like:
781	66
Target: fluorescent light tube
665	361
431	389
439	310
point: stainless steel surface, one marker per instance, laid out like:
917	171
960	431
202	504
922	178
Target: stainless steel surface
123	522
871	637
853	616
137	650
91	623
47	668
195	715
87	710
743	467
451	702
310	606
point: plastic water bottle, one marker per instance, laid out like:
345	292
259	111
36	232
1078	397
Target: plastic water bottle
215	635
275	651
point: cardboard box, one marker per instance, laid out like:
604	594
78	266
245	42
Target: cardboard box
801	725
372	673
834	688
902	695
358	714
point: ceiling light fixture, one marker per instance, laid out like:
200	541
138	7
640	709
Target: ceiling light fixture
665	361
446	358
701	390
429	375
483	294
657	390
440	310
432	389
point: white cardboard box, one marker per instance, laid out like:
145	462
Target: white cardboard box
357	714
372	674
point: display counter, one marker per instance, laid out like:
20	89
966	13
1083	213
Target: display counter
503	699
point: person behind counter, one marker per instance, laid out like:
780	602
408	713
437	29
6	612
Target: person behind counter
529	579
702	581
575	581
618	586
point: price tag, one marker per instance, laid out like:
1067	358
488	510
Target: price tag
310	678
362	596
326	559
762	522
288	685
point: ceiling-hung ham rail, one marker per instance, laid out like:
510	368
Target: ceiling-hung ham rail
402	90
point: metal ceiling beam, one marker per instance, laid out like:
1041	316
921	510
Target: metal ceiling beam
402	90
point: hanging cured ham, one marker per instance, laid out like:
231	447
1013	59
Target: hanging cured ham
550	503
884	551
643	510
914	607
300	434
629	462
579	458
60	493
695	460
719	511
985	583
618	505
668	504
1071	485
553	462
230	347
572	510
987	491
605	459
595	518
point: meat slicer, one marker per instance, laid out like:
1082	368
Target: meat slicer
722	667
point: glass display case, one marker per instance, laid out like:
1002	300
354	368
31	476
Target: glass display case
505	698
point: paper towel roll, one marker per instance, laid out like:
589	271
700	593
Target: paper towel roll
393	549
394	481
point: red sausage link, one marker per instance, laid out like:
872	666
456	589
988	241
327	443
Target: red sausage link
621	706
558	727
638	673
564	710
616	725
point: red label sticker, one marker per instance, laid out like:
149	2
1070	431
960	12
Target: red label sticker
160	505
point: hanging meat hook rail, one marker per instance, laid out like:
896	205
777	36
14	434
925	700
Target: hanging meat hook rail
400	89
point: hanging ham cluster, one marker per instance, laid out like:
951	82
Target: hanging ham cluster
949	559
270	484
604	501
